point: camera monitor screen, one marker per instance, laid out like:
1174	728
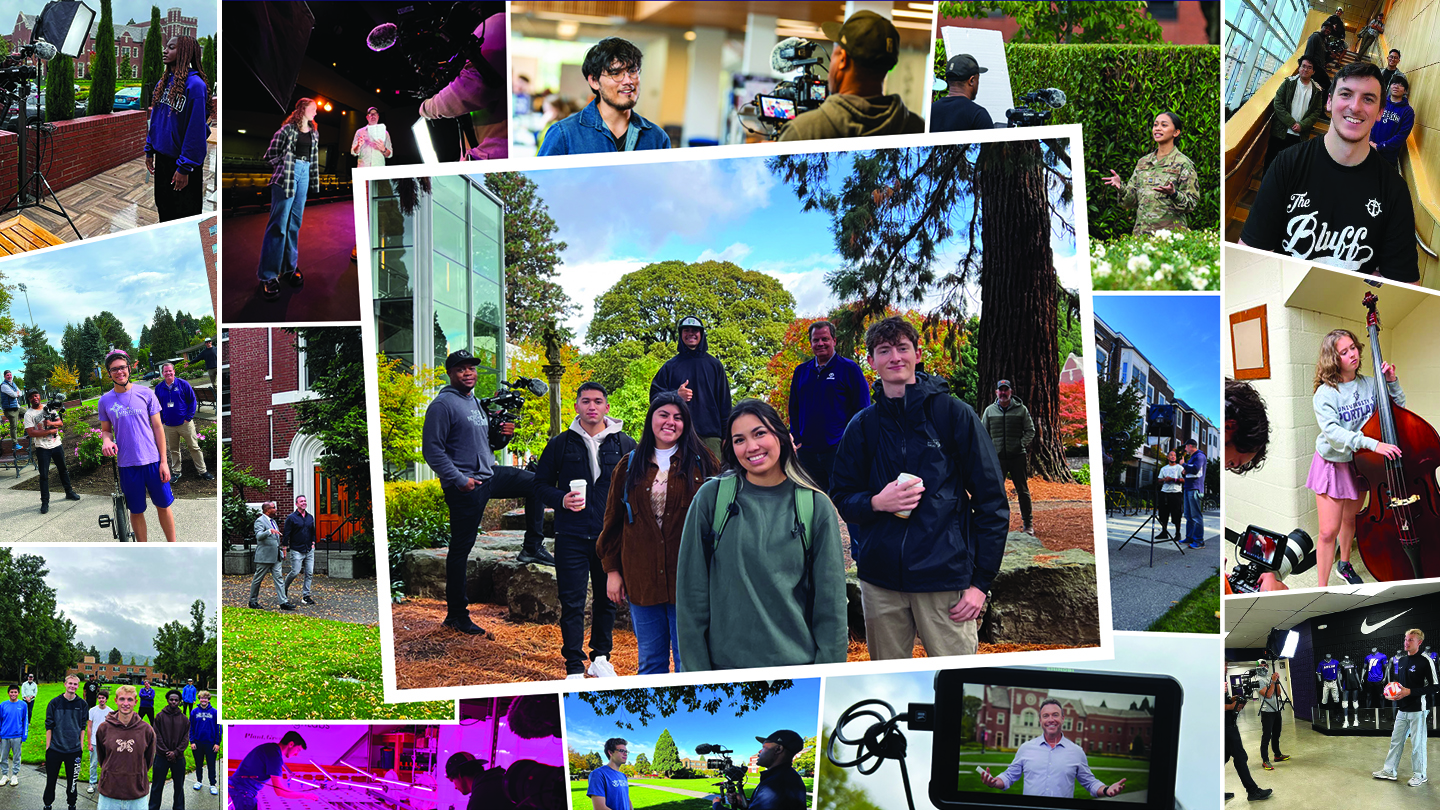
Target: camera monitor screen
1263	547
819	90
776	108
1035	738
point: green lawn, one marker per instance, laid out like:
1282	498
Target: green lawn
1198	612
668	800
1106	769
296	668
33	751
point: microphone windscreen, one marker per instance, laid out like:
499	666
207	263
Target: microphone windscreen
45	50
382	36
778	62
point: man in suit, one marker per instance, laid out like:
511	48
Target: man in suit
267	557
299	537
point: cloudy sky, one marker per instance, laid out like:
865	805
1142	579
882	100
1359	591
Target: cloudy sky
121	10
129	275
617	219
119	597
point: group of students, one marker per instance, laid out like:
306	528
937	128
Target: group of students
130	759
737	561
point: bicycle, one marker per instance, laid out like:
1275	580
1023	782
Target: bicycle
118	522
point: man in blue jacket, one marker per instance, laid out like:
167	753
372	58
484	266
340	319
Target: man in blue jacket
177	414
1194	488
926	548
187	696
205	739
609	123
1396	120
824	394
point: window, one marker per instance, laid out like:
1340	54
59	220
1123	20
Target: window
1000	721
1150	393
1102	361
1029	718
1124	371
1067	724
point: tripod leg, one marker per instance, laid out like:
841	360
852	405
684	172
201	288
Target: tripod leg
62	211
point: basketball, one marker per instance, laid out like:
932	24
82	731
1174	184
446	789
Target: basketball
1391	691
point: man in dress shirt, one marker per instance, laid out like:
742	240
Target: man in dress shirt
267	557
299	537
1050	763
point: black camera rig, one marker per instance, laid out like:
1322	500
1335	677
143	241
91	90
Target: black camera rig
1263	551
1045	102
505	404
733	776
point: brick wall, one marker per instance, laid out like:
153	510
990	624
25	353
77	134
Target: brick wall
252	354
82	148
209	234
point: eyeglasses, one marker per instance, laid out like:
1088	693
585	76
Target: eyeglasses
620	73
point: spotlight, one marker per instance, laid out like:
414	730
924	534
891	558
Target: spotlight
65	23
422	139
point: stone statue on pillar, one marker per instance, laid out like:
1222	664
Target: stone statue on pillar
554	370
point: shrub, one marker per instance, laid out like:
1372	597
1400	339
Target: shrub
406	498
89	450
1165	260
416	518
1082	475
60	89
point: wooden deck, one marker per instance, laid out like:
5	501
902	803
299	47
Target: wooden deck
19	234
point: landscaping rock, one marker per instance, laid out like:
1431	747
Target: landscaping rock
514	521
1042	596
532	595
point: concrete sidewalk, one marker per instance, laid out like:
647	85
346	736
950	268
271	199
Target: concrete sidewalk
1139	593
197	520
29	794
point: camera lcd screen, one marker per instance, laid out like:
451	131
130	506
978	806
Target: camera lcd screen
1263	547
776	108
819	90
1034	738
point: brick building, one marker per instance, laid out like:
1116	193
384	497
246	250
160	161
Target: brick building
115	673
1009	716
264	375
129	40
210	246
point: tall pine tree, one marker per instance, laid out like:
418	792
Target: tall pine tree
532	296
102	66
667	756
151	65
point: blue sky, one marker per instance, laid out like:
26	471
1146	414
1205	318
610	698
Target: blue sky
121	11
129	275
1180	334
797	709
617	219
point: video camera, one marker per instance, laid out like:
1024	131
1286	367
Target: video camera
790	97
1048	100
966	732
1268	551
436	39
505	404
732	774
55	407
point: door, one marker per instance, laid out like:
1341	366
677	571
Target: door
331	508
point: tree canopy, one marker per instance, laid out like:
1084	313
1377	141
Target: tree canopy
47	645
533	298
1082	22
188	651
1121	433
667	755
336	416
643	705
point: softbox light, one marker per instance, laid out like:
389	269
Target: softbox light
66	25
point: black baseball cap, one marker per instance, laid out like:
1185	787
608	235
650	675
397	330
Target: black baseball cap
460	358
1191	443
690	321
867	37
1003	384
786	738
963	67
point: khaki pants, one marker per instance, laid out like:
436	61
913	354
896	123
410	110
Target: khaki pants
894	618
173	436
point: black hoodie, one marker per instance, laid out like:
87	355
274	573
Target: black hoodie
710	406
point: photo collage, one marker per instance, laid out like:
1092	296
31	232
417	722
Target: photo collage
718	405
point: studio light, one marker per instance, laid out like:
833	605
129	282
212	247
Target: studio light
65	24
422	140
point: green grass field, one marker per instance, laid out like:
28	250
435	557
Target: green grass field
668	800
1198	612
297	668
33	751
1106	769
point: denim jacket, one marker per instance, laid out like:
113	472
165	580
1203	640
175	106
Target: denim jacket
585	133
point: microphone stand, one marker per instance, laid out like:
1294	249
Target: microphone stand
23	198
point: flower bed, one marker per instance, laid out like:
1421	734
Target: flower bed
1164	260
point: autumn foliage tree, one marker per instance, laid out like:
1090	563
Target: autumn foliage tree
1072	414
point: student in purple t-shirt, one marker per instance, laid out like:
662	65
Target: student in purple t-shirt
131	430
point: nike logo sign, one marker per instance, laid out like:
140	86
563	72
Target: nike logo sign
1367	628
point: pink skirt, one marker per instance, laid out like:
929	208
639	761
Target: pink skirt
1333	478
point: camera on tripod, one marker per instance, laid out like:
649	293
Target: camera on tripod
732	774
1045	102
505	404
1266	551
55	407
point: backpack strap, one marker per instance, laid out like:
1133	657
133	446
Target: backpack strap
724	507
625	491
804	517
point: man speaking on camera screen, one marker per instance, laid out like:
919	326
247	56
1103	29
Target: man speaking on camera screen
1050	764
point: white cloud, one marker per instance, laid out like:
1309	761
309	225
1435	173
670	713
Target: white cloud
586	281
735	253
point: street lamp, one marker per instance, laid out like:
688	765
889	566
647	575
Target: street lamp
22	289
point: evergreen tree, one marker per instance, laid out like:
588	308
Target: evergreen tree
532	296
115	657
667	756
1121	432
60	89
207	62
113	331
165	338
40	357
642	764
102	65
151	66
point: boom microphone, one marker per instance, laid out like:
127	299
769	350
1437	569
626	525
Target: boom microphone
783	52
45	50
382	36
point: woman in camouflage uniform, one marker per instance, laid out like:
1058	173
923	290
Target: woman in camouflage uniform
1162	187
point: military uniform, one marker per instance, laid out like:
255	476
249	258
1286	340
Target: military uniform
1154	210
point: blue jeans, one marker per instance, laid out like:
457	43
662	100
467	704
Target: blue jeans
1411	724
280	252
1194	518
656	637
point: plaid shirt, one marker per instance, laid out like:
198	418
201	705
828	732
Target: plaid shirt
281	155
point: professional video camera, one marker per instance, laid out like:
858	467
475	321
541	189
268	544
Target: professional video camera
1268	551
55	407
771	112
505	404
733	775
436	39
1048	100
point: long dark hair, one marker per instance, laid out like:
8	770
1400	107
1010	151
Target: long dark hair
187	59
690	452
770	418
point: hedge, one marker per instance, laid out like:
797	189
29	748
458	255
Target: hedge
1115	92
405	499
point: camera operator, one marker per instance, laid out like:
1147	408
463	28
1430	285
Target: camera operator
867	46
958	111
1235	749
1247	433
457	447
780	788
45	434
470	93
1270	705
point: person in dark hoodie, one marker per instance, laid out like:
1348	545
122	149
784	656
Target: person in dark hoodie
588	452
1396	119
1011	429
125	745
700	378
65	717
867	46
175	145
928	547
172	739
456	445
205	739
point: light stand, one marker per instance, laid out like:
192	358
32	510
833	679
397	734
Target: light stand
1153	519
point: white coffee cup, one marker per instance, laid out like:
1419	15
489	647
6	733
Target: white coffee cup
578	485
902	480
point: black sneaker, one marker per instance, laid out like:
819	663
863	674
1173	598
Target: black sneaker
44	507
1162	536
1347	572
270	290
72	495
537	557
254	604
307	600
286	606
466	626
1259	795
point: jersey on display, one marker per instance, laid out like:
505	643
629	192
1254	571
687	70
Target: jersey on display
1329	669
1375	666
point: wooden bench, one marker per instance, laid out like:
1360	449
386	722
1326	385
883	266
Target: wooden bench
206	396
20	234
14	454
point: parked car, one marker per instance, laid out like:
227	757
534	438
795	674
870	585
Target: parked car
127	98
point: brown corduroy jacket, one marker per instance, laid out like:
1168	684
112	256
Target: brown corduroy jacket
644	553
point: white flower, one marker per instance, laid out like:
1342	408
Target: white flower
1102	269
1159	274
1199	282
1166	268
1163	233
1099	251
1141	262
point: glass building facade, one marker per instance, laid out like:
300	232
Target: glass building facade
441	266
1259	36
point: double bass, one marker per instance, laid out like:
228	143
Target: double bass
1398	533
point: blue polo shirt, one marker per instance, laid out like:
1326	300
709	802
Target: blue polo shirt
823	400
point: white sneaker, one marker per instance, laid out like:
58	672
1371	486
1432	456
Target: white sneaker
1347	723
578	676
90	789
600	668
198	786
1385	775
214	791
1416	781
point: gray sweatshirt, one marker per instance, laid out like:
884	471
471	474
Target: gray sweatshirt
456	441
1341	411
846	116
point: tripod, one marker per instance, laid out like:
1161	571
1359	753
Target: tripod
1151	520
24	197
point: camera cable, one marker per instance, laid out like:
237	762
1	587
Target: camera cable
881	741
